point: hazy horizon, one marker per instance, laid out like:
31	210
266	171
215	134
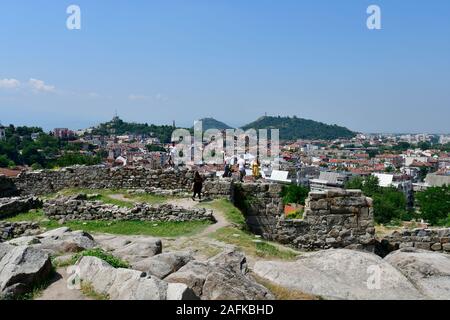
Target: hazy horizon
159	61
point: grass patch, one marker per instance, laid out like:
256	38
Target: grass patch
104	195
150	228
233	214
88	290
107	257
251	245
282	293
146	198
32	215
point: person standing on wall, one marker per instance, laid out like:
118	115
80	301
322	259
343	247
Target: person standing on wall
241	164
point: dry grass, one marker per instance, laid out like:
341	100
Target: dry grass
282	293
88	291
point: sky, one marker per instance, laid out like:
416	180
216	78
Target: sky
156	61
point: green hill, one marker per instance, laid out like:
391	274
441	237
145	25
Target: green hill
120	127
211	123
298	128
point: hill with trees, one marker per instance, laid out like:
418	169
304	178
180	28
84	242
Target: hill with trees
293	128
119	127
211	123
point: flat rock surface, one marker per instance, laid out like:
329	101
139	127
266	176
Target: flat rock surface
340	274
428	271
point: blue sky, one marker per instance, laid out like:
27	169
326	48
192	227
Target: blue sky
156	61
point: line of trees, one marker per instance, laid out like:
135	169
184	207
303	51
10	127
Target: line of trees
45	151
390	207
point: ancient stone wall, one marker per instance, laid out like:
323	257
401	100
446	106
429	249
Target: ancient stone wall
100	177
16	205
427	239
10	230
332	219
7	187
79	208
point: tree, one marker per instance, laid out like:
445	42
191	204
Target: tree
5	162
294	194
434	203
153	148
388	203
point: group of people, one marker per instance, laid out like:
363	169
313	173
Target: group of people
255	166
197	184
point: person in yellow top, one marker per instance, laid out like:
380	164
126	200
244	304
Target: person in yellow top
255	168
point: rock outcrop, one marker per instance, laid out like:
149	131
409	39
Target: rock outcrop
58	241
22	267
223	277
428	271
163	264
340	274
127	284
132	249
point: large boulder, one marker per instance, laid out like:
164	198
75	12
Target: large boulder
132	249
340	274
127	284
22	267
223	277
163	264
428	271
58	241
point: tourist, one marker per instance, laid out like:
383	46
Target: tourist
227	168
197	186
241	164
255	168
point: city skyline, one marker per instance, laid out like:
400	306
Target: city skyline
233	61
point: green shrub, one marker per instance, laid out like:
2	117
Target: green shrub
99	253
294	194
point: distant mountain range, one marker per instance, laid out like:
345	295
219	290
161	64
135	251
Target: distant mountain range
291	128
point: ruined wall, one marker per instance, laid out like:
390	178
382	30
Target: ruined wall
10	230
100	177
79	208
332	219
7	187
16	205
427	239
262	205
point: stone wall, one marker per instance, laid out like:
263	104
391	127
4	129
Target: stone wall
10	230
262	205
79	208
16	205
427	239
7	187
332	219
99	177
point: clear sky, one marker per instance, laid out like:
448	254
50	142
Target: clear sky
161	60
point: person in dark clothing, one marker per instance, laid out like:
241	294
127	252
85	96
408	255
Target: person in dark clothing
197	186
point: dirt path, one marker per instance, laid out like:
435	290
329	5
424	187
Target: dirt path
58	290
